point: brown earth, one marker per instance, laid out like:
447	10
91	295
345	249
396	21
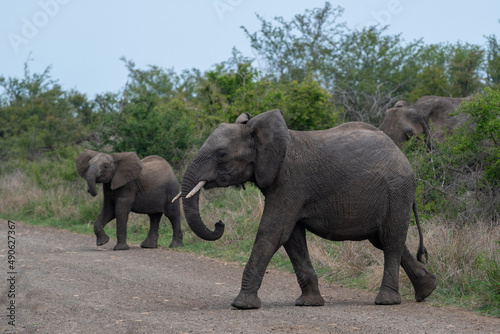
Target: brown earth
66	284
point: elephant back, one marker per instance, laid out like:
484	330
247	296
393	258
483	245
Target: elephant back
157	171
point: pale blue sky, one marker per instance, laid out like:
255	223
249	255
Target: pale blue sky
83	40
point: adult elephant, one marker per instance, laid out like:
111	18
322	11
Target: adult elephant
429	116
346	183
130	184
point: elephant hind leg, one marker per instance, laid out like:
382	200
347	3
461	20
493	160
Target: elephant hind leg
173	214
151	240
296	248
423	281
389	290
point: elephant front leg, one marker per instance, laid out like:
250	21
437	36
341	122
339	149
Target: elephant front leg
121	212
263	250
105	217
296	248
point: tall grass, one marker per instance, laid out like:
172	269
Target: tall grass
63	203
465	257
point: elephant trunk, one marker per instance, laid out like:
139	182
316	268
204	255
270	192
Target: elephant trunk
91	177
192	209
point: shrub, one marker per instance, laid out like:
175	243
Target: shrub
460	178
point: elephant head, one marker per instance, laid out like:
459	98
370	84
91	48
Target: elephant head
251	149
116	168
429	116
404	121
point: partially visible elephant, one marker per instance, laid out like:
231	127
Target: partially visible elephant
346	183
429	116
130	184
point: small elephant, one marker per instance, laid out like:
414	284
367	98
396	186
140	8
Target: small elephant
429	116
130	184
347	183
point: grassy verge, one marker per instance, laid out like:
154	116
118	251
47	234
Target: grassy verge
465	258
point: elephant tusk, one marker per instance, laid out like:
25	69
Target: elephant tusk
196	189
177	197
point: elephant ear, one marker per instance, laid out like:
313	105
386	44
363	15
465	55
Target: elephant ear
271	137
82	161
401	103
440	112
128	168
434	109
243	118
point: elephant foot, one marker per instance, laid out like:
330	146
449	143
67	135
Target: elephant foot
246	301
310	299
121	247
388	297
425	286
176	243
424	282
102	240
148	243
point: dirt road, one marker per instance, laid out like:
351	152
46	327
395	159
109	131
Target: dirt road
63	283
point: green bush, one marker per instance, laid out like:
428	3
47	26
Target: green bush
477	142
490	283
53	169
36	116
461	176
151	126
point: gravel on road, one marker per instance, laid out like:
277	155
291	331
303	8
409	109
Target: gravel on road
64	283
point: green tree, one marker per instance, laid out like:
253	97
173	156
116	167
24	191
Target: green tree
221	88
477	142
150	127
429	81
431	76
305	45
305	105
373	72
154	80
153	117
493	62
234	88
36	115
460	178
464	69
445	69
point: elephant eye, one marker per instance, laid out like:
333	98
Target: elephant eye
105	166
221	154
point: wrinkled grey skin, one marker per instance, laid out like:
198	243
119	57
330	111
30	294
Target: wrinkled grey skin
346	183
429	116
130	184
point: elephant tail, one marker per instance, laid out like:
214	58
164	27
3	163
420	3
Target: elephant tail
421	248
